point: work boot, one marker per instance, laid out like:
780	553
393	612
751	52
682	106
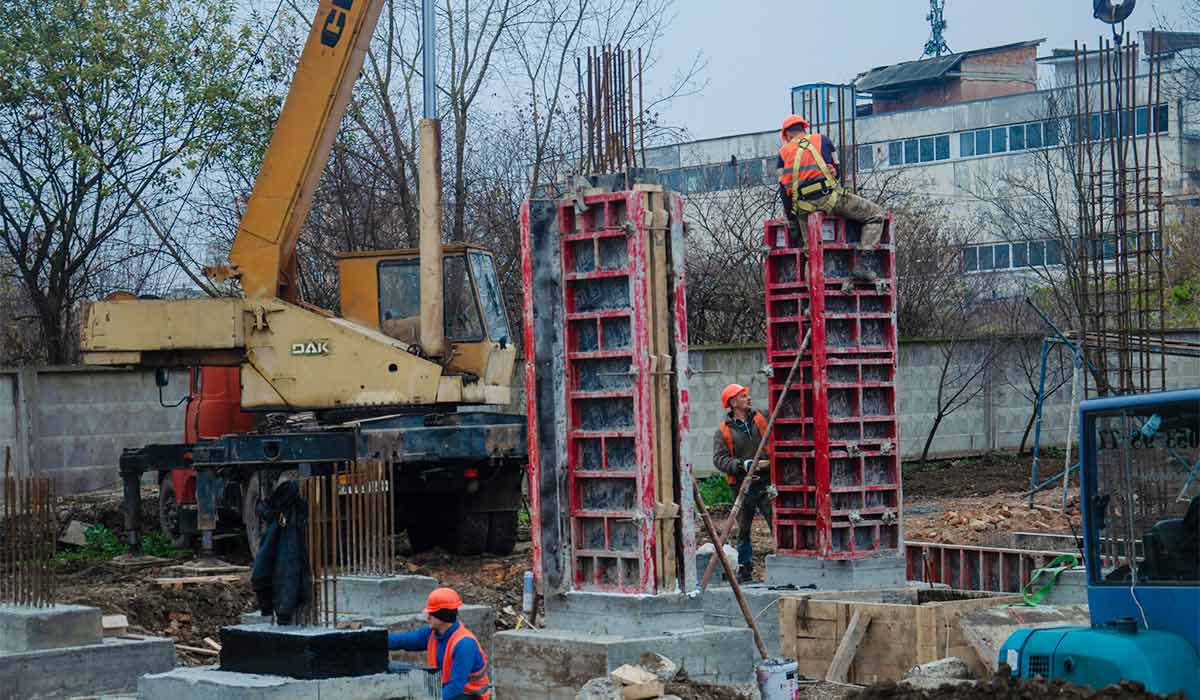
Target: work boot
862	274
745	574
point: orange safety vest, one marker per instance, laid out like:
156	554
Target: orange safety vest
727	435
478	682
809	168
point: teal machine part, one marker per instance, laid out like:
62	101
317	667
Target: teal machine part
1101	656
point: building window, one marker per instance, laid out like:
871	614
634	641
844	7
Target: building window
1142	121
1050	132
970	259
911	150
1033	135
941	147
1053	257
672	180
1000	253
895	153
1161	119
966	144
1110	125
1037	253
986	261
750	172
983	142
1094	127
999	140
866	157
927	150
1016	138
693	180
1020	255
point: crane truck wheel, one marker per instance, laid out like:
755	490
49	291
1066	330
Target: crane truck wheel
502	532
468	534
168	514
254	527
422	536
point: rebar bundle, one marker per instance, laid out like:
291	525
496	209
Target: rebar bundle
351	518
612	114
1118	177
27	575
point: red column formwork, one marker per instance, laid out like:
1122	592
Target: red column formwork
610	440
834	455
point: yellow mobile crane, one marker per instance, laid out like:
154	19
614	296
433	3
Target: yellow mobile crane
423	332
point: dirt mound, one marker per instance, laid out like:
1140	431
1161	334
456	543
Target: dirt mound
994	472
1003	687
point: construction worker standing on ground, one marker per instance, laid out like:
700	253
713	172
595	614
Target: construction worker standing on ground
808	182
450	647
734	445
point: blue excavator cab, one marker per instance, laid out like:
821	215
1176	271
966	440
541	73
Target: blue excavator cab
1140	497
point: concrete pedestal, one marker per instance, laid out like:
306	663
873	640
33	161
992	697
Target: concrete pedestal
721	609
879	571
60	651
383	595
624	615
208	683
553	664
31	629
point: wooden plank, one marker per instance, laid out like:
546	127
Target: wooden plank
788	627
195	580
839	668
926	632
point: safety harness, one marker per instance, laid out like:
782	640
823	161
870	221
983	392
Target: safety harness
828	186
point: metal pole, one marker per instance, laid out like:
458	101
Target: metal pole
429	59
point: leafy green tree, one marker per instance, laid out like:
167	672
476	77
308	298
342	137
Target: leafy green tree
106	107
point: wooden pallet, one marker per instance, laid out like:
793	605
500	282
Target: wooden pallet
179	582
899	635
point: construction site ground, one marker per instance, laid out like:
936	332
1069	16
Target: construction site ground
969	500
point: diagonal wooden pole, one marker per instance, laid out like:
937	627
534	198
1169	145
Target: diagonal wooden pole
729	573
727	527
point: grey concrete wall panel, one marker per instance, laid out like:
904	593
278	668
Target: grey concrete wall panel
25	628
211	684
112	666
554	664
622	614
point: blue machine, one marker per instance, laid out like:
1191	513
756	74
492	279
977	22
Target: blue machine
1140	478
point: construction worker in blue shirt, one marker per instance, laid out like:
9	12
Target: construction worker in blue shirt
449	646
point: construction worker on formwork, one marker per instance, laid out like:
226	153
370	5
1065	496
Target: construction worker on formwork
808	182
450	647
734	447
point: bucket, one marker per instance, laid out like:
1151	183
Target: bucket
777	679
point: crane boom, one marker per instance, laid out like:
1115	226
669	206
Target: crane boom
264	251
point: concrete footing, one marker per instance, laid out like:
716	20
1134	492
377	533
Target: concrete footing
383	595
623	615
208	683
110	666
30	629
60	651
879	571
555	663
721	609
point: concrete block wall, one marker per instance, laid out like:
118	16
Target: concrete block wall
73	422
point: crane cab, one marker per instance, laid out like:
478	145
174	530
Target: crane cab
382	289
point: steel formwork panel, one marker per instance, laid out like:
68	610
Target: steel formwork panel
625	415
834	450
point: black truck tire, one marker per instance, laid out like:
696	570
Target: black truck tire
168	514
422	535
502	532
468	534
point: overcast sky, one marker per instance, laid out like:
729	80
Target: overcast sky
756	50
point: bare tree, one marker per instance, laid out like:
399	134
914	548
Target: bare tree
90	127
725	263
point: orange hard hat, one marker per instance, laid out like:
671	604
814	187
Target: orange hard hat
792	121
729	392
442	599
